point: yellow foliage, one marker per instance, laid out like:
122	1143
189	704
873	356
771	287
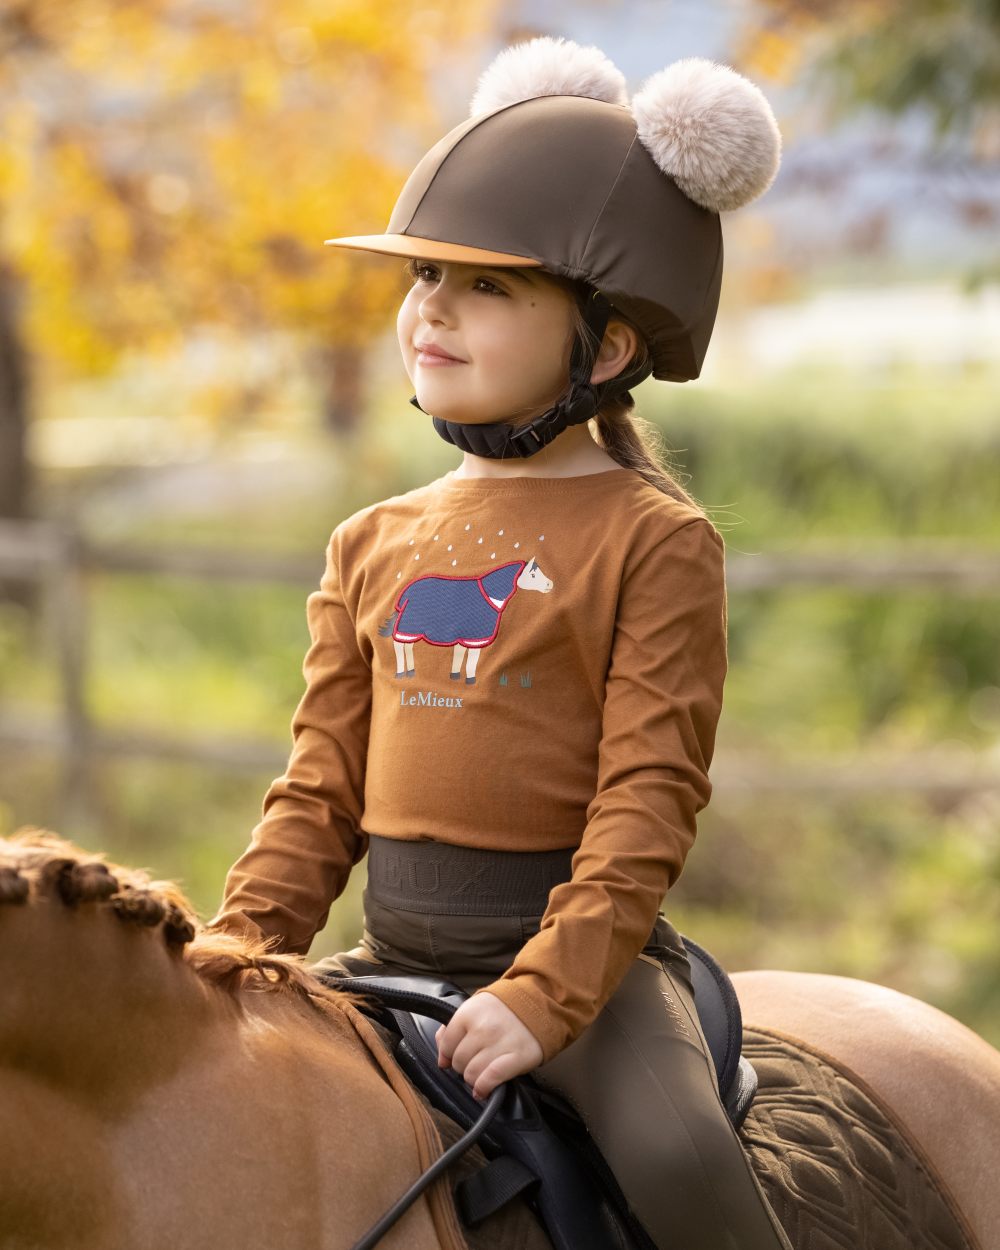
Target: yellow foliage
769	53
184	164
776	39
260	84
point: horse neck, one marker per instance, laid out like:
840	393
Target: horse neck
95	1003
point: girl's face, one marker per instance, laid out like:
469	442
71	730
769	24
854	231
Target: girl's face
508	330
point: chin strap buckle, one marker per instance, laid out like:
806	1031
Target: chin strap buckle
530	438
573	409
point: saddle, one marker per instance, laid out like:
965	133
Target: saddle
536	1144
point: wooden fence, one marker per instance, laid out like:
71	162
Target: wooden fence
60	558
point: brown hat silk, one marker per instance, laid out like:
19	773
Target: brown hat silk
563	182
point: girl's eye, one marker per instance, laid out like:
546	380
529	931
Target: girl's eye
428	273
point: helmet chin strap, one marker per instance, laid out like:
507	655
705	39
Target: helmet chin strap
499	440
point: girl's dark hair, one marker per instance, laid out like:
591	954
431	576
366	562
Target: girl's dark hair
629	439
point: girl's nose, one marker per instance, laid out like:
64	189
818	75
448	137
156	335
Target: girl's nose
436	304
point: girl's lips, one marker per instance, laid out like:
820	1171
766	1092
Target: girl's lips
435	356
428	358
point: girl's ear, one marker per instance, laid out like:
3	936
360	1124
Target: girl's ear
620	344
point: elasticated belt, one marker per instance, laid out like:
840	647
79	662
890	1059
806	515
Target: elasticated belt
430	876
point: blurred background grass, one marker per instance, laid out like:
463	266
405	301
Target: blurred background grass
203	376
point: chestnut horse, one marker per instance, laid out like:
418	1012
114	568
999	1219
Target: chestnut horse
165	1087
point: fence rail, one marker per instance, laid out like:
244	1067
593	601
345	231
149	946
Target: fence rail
27	547
60	558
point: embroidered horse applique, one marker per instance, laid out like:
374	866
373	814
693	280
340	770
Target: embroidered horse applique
459	612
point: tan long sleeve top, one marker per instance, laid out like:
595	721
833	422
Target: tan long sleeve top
518	664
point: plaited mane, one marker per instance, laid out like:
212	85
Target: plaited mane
38	867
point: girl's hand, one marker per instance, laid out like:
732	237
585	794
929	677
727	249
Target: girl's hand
487	1044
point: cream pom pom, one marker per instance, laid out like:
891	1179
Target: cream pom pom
547	66
711	130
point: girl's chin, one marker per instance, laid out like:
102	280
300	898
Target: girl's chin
437	403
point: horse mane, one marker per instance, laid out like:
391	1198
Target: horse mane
37	865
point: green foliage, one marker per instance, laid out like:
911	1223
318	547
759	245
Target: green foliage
171	656
816	456
888	889
941	55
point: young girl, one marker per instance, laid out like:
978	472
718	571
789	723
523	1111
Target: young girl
516	671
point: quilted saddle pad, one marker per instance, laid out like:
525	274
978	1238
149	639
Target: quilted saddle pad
839	1170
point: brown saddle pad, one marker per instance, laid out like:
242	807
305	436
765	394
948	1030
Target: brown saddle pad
839	1171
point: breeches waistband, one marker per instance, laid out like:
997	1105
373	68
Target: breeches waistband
442	879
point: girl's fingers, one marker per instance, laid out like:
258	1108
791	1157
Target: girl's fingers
502	1066
443	1061
449	1037
467	1050
479	1063
495	1073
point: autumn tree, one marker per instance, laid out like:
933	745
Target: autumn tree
165	165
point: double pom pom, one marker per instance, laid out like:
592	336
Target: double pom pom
705	125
